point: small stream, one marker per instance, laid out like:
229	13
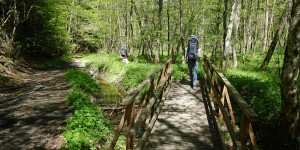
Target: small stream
110	97
109	93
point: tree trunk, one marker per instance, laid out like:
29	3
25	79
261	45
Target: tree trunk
126	26
181	34
201	44
249	30
245	34
159	48
168	15
119	22
271	34
272	47
256	30
71	16
266	28
236	21
213	53
286	136
226	38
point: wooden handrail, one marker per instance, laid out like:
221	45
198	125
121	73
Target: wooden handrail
130	97
143	116
236	95
154	105
219	96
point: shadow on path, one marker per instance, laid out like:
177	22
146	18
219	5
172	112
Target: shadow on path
185	122
32	116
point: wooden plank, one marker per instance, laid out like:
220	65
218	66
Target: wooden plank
161	76
147	109
252	138
116	136
150	92
226	119
212	109
130	118
219	87
246	108
230	108
244	131
212	94
148	130
130	97
222	100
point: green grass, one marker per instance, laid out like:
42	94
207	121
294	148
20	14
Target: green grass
260	88
82	80
109	93
129	75
87	127
132	74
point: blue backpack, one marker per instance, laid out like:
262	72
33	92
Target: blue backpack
122	52
193	47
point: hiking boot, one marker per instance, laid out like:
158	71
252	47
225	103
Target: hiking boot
194	87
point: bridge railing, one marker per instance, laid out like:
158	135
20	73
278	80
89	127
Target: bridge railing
219	91
149	108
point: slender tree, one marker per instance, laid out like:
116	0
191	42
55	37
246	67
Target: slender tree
266	27
273	44
235	32
287	137
226	38
181	33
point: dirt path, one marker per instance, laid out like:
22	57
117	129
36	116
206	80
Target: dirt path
32	116
184	123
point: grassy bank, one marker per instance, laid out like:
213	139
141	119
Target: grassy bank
87	129
261	89
132	74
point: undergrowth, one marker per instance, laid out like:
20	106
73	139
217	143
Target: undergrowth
132	74
87	129
129	75
260	89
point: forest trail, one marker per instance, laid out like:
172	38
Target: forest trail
184	122
32	116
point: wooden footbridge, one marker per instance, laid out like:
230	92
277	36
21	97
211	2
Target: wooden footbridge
174	116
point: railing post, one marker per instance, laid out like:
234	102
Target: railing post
212	94
116	136
130	122
225	88
160	78
148	95
252	137
244	131
130	109
222	100
169	67
229	107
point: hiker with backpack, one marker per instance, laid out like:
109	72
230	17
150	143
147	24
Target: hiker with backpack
192	56
123	55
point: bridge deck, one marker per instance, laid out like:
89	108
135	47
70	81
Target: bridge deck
184	122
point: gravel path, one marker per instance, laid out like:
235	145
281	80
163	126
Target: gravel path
183	123
32	116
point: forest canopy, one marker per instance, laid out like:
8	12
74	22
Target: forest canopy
260	37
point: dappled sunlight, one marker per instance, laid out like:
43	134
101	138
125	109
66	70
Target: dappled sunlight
266	102
37	115
183	122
